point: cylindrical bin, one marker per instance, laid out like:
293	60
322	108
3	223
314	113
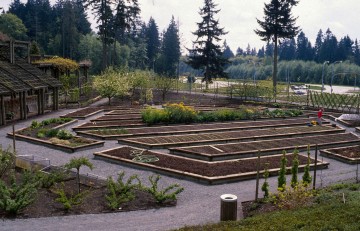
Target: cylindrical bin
228	210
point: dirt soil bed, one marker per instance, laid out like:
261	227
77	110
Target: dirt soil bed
83	113
228	150
225	137
94	202
206	127
203	168
350	152
117	117
109	124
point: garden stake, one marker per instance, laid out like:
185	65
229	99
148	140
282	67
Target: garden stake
316	155
257	177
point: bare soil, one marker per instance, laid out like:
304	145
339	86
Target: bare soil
206	168
82	112
350	152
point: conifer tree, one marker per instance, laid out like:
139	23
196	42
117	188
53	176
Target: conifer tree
282	172
278	23
295	169
307	177
207	53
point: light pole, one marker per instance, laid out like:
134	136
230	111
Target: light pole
254	76
322	76
333	74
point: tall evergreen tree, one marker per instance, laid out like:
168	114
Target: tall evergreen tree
318	44
304	50
328	48
152	42
356	52
269	49
227	54
170	50
345	49
239	51
287	49
278	23
261	52
207	53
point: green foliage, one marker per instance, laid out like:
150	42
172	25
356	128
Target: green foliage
47	180
293	197
307	177
12	26
62	64
265	186
120	191
7	161
165	194
77	163
112	83
52	133
64	135
282	172
295	169
35	124
17	195
69	200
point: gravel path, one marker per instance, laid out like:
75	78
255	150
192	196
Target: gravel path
198	204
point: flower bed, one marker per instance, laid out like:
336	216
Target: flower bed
201	171
250	149
349	155
227	137
191	129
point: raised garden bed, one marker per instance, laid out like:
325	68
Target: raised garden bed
124	112
349	155
196	128
250	149
354	122
117	117
197	170
83	113
69	143
109	124
227	137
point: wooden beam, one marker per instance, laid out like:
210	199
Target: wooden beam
2	108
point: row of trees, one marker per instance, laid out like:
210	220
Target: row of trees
122	39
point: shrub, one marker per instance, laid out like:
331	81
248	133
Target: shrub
77	163
16	196
265	186
293	197
68	201
7	161
120	192
295	169
64	135
52	133
307	177
179	113
165	194
35	124
282	172
47	180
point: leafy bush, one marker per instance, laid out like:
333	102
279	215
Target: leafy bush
35	124
68	201
293	197
165	194
282	172
120	192
47	180
16	196
295	169
7	161
265	186
307	177
179	113
64	135
52	133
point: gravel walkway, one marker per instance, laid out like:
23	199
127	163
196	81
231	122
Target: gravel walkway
198	204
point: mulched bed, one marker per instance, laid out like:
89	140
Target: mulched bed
83	113
109	124
254	146
205	127
192	139
94	203
350	152
209	169
117	117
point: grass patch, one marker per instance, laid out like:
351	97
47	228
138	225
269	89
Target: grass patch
328	212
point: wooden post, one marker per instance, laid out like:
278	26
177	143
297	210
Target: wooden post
316	157
24	103
43	101
257	177
2	105
14	142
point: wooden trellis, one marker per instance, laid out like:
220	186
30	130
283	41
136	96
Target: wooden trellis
341	102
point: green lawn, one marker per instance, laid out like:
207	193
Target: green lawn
328	213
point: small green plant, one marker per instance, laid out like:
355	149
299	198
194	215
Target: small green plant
265	186
52	133
307	177
295	169
35	124
282	172
165	194
77	163
68	201
17	195
7	161
47	180
120	192
64	135
293	197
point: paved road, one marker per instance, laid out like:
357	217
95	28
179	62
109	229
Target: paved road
198	204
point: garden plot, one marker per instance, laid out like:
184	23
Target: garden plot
226	137
124	112
83	113
250	149
99	125
197	170
102	133
117	117
349	155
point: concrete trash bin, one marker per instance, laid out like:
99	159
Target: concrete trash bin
228	210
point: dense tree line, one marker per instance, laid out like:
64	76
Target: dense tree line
122	40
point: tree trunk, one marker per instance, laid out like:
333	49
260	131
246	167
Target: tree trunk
274	76
109	101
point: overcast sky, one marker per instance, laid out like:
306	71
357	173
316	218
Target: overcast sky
238	17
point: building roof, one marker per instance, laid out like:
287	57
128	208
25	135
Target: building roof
17	72
12	83
36	72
